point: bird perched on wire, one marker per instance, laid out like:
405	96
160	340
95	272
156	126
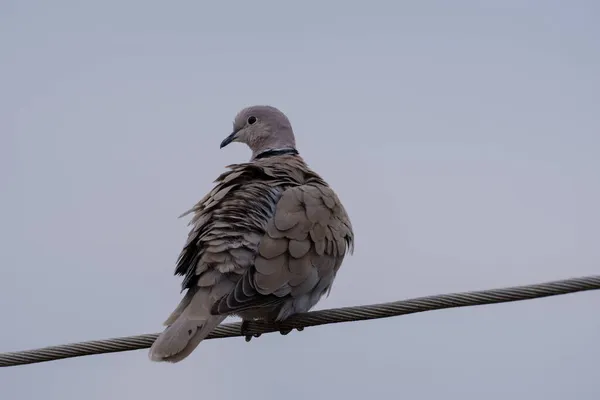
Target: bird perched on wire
265	243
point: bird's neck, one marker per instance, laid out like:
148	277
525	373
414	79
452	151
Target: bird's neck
266	153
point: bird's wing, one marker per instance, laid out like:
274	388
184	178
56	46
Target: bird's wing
304	244
227	225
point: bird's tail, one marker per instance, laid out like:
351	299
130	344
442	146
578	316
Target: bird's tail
188	325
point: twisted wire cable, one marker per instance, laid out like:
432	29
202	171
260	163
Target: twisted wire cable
315	318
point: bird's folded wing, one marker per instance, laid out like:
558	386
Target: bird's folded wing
305	241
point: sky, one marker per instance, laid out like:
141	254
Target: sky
462	137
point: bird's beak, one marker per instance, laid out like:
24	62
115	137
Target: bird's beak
229	139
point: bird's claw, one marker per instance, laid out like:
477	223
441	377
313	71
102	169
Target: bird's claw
286	331
244	330
248	336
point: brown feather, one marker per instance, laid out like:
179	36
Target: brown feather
274	228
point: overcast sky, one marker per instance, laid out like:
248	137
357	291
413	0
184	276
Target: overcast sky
463	138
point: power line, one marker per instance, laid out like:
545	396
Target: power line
300	321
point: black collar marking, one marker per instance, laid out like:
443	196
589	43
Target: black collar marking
276	152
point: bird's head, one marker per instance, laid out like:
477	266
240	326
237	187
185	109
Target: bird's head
262	128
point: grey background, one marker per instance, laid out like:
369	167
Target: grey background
462	136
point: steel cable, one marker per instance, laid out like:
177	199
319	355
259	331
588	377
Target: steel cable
315	318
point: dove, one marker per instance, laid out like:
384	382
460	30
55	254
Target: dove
266	243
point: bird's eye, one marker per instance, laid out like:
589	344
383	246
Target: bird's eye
251	120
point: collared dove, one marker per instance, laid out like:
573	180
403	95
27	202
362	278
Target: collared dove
265	243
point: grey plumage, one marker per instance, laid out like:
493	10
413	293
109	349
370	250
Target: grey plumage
265	243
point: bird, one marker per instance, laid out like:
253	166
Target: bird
265	243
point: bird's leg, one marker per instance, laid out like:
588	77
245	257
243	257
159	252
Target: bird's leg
244	331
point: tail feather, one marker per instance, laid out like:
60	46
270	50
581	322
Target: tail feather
189	324
181	307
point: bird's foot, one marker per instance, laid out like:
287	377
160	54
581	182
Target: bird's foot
286	331
245	331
